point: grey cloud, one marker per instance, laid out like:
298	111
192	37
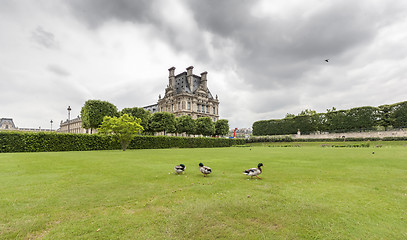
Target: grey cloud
58	70
274	101
275	52
223	18
269	52
96	12
44	38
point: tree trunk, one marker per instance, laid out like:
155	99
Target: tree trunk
125	145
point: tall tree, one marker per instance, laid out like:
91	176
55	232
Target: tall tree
307	112
400	115
124	128
93	112
385	116
162	122
185	124
136	112
362	118
205	126
222	127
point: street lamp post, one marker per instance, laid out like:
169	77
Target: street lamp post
51	124
69	117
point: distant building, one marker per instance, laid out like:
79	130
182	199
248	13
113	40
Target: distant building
152	108
241	132
7	124
73	126
187	94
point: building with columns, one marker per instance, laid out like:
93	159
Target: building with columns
73	126
187	94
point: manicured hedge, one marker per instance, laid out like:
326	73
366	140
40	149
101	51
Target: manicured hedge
348	139
270	139
13	141
351	120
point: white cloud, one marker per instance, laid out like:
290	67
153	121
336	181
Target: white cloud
264	58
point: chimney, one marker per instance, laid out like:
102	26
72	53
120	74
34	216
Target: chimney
204	80
189	70
171	77
190	78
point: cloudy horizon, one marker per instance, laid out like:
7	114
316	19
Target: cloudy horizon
264	58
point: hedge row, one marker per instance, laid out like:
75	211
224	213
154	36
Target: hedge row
355	119
270	139
11	141
349	139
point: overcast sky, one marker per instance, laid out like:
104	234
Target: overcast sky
264	58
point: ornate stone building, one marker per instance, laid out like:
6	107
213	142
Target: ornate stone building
7	124
187	94
73	126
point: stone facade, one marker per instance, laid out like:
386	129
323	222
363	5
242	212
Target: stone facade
7	124
188	94
73	126
344	136
370	134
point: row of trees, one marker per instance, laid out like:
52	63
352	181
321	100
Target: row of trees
94	111
355	119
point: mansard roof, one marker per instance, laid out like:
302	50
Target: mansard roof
182	85
7	120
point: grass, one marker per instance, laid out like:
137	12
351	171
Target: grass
307	192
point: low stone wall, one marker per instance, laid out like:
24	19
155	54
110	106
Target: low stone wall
373	134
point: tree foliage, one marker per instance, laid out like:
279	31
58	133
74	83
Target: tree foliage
185	124
386	119
93	112
141	113
205	126
400	115
162	122
124	128
17	141
355	119
307	112
221	127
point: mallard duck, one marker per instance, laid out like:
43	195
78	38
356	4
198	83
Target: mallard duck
179	168
204	169
254	171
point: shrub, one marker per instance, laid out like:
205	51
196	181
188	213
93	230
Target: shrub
13	141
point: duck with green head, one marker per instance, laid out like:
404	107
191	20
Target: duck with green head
179	168
204	169
254	172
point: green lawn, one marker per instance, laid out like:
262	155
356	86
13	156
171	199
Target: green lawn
307	192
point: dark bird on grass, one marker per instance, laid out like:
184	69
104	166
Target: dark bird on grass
327	60
179	168
204	169
253	172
